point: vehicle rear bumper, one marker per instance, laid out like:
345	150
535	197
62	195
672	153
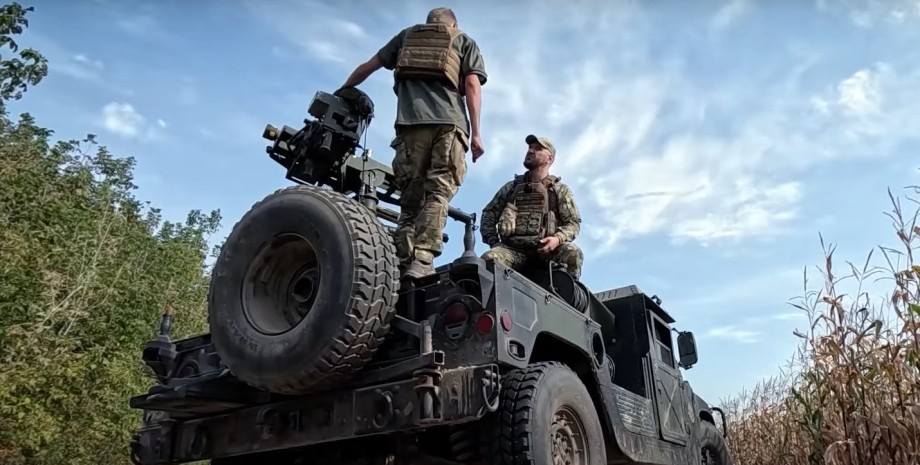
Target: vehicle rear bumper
459	395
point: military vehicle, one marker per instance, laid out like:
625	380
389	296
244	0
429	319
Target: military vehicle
318	352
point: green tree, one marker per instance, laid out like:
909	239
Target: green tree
85	271
17	74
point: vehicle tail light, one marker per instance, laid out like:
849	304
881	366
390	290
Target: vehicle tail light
485	323
506	321
455	318
455	314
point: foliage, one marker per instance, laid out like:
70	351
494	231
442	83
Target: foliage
17	74
851	395
85	271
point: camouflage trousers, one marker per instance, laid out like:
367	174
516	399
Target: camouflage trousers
567	254
429	166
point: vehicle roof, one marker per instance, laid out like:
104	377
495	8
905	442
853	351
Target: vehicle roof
631	290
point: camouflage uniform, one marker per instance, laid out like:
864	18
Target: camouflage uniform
432	131
515	220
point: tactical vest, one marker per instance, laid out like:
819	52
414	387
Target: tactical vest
536	204
428	53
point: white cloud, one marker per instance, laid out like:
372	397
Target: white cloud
649	145
734	333
124	120
858	95
873	13
869	111
640	166
728	14
78	66
80	58
316	28
754	211
64	60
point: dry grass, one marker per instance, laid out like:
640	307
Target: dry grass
851	393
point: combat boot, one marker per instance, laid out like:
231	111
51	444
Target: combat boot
419	266
418	269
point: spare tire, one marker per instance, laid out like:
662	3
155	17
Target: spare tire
303	291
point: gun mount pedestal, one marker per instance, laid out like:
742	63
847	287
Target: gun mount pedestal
469	259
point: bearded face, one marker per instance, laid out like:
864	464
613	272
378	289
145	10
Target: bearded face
537	156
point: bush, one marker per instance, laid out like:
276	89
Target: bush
85	271
851	395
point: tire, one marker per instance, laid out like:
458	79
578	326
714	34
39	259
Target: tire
713	449
477	443
524	423
344	303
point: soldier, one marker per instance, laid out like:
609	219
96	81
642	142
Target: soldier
437	70
533	216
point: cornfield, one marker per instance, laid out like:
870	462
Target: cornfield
851	393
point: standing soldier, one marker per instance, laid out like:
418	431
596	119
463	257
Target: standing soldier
438	72
533	216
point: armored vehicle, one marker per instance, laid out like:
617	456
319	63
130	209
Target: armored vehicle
319	353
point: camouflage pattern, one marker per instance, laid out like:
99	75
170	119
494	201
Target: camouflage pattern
507	223
429	167
542	140
566	212
432	137
567	254
497	221
529	212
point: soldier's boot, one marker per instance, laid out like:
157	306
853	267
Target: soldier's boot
417	269
420	266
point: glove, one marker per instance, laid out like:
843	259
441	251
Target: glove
506	222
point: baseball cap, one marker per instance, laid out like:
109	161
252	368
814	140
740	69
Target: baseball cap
544	141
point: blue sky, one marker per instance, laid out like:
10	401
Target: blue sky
707	145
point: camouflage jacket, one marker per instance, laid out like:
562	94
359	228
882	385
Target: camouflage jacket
567	216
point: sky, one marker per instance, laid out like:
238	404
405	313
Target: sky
707	143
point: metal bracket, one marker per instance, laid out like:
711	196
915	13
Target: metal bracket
724	422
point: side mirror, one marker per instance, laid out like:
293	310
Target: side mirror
686	347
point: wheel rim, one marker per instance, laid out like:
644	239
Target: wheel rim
281	284
568	438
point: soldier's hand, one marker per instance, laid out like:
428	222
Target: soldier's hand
548	244
478	148
507	221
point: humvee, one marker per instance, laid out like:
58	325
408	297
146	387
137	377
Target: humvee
318	352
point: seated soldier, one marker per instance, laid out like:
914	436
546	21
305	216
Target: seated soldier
533	217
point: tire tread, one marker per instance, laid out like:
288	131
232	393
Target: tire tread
371	305
503	438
